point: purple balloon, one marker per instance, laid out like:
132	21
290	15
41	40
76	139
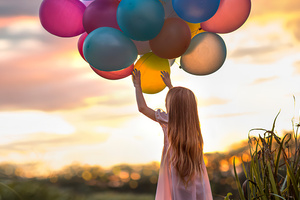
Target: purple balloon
62	18
101	13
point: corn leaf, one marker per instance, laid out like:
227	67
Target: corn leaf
238	181
272	180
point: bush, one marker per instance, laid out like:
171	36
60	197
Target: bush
273	172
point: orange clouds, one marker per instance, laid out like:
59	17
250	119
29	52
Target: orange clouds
297	67
294	26
43	142
8	21
212	101
262	80
276	6
44	72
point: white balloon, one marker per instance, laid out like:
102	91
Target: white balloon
205	55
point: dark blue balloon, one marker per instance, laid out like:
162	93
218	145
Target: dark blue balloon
108	49
195	11
140	20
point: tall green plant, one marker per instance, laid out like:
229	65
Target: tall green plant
274	170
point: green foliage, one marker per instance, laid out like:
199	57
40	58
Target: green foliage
37	190
228	195
33	190
273	172
11	190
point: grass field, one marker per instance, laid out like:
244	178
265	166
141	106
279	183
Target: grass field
120	196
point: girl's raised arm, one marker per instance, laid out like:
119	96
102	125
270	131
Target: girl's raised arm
166	78
142	106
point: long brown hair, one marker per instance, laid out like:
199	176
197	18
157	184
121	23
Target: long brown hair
184	134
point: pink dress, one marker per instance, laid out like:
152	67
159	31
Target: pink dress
169	186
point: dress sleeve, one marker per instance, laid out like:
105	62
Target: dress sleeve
161	117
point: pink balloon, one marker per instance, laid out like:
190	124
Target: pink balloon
230	15
101	13
62	18
80	44
114	75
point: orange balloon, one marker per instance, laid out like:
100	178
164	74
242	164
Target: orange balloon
195	28
150	67
173	39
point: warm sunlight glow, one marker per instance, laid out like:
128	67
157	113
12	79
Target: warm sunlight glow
224	165
29	22
19	123
55	111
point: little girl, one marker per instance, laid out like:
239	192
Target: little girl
182	174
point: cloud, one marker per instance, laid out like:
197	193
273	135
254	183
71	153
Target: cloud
253	51
263	80
49	87
19	123
230	115
268	43
43	142
30	83
265	7
259	54
204	102
117	99
297	67
43	72
293	26
13	8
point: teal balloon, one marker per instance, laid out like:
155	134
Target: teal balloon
140	20
195	11
108	49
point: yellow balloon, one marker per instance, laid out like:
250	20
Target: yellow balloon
150	67
195	28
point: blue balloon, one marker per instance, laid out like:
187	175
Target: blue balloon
108	49
195	11
140	20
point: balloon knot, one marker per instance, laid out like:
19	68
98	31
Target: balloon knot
180	67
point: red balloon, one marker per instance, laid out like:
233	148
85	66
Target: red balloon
101	13
230	15
80	44
62	18
173	39
114	75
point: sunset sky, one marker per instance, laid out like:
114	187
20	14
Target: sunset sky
56	111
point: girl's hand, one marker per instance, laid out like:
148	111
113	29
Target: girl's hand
136	77
166	78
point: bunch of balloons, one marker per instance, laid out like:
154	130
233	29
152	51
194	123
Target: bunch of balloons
114	32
